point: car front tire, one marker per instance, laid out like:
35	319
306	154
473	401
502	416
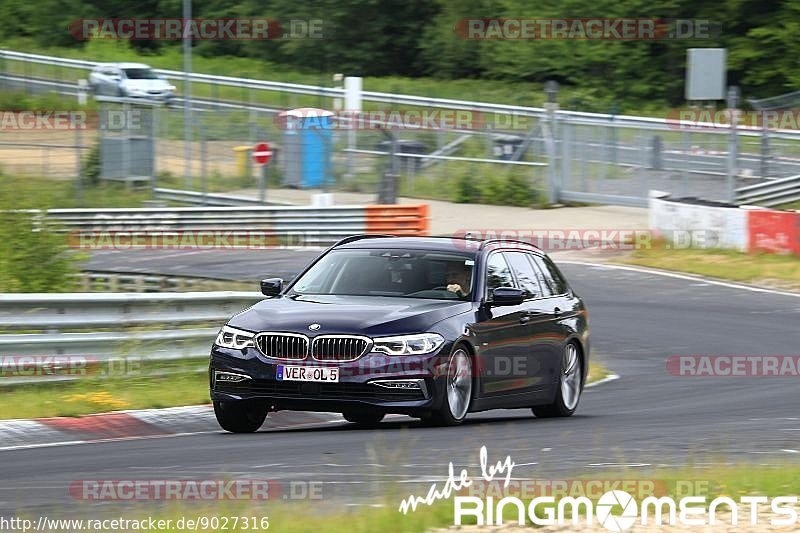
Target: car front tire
457	390
242	416
570	386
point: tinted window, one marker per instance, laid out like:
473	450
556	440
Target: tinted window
526	275
558	279
390	272
544	280
140	74
551	275
497	273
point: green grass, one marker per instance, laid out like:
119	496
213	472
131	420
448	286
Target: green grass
47	193
312	516
126	384
763	269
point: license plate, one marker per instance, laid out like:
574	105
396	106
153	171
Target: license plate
325	374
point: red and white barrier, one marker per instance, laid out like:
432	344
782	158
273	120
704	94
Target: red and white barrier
691	223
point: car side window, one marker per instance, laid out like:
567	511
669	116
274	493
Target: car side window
526	274
497	273
541	275
559	285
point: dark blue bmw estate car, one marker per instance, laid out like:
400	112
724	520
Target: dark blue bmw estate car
434	328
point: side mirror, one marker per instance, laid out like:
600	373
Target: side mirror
507	296
271	286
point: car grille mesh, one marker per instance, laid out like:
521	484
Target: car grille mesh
323	348
282	346
338	348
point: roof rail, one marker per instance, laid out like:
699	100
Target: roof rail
353	238
487	242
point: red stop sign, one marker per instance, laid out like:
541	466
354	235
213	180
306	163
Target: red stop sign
262	153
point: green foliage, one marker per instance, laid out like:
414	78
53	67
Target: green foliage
382	40
91	166
33	257
466	190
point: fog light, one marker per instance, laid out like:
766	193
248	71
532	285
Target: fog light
404	384
229	377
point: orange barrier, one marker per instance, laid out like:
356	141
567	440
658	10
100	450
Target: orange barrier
398	219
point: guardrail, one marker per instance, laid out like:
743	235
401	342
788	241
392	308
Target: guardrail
211	199
48	312
29	357
125	282
770	193
253	227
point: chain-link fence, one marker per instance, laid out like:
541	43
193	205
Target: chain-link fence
468	151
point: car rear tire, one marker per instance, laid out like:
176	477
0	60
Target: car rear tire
242	416
570	386
364	418
457	392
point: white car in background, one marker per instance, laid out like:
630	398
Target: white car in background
131	80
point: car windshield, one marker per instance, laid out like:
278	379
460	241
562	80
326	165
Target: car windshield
390	272
140	74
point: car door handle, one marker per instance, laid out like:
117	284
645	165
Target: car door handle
556	311
525	318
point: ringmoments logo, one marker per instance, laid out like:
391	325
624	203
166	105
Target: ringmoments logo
616	509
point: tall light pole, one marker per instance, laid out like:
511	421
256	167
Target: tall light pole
187	96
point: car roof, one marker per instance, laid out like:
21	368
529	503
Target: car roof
123	65
440	244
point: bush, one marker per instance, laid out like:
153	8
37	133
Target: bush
466	190
33	258
91	166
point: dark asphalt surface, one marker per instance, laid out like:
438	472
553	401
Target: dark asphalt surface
647	418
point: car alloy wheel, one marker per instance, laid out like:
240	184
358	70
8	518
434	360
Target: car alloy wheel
459	384
570	385
571	377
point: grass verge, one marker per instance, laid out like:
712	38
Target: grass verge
124	384
48	193
311	516
779	271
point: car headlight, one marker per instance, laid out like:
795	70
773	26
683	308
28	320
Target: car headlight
238	339
408	344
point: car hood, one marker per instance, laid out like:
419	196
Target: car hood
365	315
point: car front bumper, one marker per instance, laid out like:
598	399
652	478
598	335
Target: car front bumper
370	381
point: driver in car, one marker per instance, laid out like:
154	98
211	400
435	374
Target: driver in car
459	277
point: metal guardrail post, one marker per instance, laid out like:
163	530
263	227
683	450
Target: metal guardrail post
551	89
733	145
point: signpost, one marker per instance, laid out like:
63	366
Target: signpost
262	153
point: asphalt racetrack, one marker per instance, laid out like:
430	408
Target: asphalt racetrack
647	418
